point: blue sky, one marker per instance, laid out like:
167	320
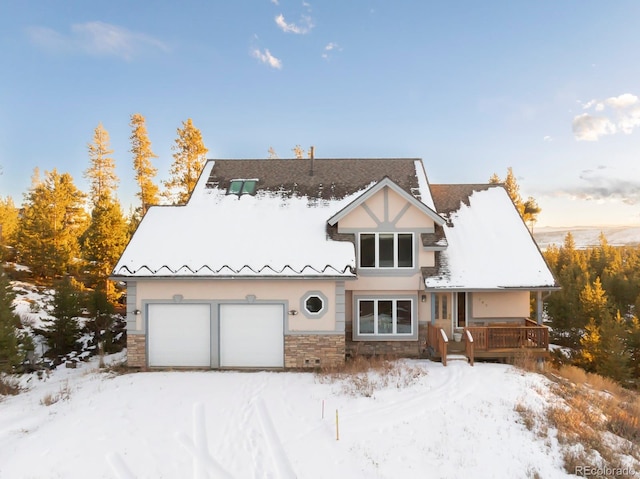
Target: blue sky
549	88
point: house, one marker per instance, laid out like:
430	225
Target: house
299	263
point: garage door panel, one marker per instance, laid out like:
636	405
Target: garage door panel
179	335
252	335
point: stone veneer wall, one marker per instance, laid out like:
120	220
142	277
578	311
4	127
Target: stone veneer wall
313	350
401	349
136	351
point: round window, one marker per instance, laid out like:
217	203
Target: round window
314	304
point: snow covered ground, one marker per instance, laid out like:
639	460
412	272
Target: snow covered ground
588	235
452	422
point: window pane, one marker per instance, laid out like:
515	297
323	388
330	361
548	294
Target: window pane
403	317
365	317
367	250
235	187
445	306
436	305
249	187
314	304
385	245
385	317
405	250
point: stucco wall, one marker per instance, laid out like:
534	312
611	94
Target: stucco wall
290	291
508	304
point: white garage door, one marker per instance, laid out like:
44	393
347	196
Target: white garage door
179	335
252	335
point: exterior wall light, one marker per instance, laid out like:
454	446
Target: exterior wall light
293	312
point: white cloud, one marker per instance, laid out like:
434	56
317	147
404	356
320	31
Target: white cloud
622	101
547	138
275	2
591	128
267	58
597	186
329	48
618	114
96	39
305	26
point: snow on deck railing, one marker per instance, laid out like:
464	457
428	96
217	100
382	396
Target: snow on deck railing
469	335
444	335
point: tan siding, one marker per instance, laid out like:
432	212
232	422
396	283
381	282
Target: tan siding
495	305
264	290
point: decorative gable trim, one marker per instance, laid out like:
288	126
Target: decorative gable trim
386	182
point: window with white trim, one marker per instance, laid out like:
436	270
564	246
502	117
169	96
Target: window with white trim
382	317
314	304
386	250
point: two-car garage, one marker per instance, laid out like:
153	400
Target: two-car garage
227	335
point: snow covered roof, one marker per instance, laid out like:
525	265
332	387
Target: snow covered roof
278	231
489	246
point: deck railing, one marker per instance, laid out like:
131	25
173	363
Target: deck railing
469	345
437	339
488	338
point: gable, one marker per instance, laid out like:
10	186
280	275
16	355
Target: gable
389	203
386	210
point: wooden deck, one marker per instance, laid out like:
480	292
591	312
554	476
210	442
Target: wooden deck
490	342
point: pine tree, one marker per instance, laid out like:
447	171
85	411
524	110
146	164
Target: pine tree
512	187
614	360
594	303
529	210
9	348
101	172
52	220
9	216
63	332
590	346
633	335
142	156
105	238
189	158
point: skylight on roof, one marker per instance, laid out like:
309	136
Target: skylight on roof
242	187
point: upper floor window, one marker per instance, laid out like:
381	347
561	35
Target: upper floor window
386	250
242	187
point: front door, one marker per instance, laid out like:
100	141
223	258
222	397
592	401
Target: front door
461	317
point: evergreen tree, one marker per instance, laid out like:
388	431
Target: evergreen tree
529	210
102	322
633	342
105	238
530	213
63	332
564	306
9	347
614	360
9	216
593	301
102	169
189	158
52	220
590	343
142	156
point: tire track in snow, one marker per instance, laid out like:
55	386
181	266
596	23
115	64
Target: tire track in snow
273	442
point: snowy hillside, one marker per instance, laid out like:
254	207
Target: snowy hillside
588	235
453	422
